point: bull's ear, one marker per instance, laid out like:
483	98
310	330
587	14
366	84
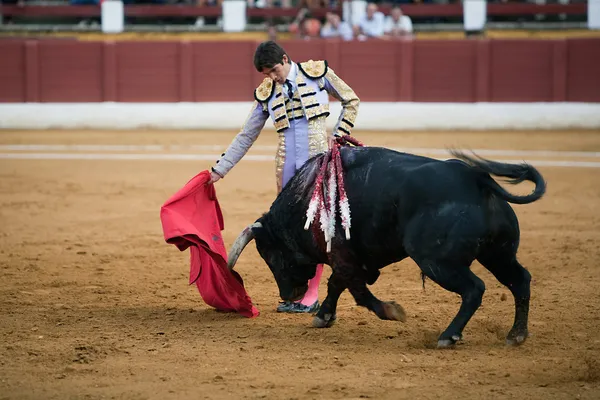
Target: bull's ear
258	227
260	233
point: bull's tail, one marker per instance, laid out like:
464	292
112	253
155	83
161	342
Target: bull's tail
516	173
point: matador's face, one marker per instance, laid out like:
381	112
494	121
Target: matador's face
279	72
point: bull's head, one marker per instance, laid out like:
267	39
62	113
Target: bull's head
291	272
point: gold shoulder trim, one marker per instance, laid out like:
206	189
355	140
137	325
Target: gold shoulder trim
264	91
314	69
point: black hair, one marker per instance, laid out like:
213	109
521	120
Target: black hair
267	55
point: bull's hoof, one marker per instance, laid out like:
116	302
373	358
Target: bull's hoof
394	311
449	343
326	322
516	339
446	344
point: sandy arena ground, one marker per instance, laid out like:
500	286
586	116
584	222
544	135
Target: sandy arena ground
95	305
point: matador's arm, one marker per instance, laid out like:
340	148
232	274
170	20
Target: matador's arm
243	140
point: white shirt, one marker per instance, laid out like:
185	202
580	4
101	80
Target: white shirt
343	30
404	24
292	78
373	27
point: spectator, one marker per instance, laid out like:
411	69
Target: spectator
269	3
85	22
311	28
7	19
371	25
200	21
397	24
336	28
297	26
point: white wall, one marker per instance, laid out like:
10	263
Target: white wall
230	116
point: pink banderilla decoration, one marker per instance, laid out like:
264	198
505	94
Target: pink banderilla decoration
323	200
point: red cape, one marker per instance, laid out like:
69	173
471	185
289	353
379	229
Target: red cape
192	218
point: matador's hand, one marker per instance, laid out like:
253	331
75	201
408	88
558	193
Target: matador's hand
213	177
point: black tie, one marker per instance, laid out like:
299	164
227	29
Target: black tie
289	87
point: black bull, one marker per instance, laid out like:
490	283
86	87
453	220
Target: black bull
442	214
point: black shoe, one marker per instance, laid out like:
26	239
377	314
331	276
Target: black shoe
290	307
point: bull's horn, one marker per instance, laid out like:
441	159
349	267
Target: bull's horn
242	240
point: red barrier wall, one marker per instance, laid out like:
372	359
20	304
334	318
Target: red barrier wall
420	71
12	71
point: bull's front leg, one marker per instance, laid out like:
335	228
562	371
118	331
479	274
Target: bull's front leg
326	315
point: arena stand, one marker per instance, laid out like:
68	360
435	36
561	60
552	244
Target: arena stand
184	15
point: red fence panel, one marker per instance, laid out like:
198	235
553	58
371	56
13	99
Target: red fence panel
445	71
423	71
521	70
12	71
147	71
109	71
583	70
224	71
559	69
482	70
300	50
70	71
370	68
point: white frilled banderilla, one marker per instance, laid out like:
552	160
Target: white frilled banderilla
329	188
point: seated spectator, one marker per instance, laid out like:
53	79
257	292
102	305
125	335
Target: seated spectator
7	19
336	28
397	24
200	21
311	27
297	26
371	25
269	3
85	22
312	4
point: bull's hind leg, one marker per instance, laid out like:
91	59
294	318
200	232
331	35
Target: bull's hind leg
511	274
388	310
356	284
461	280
